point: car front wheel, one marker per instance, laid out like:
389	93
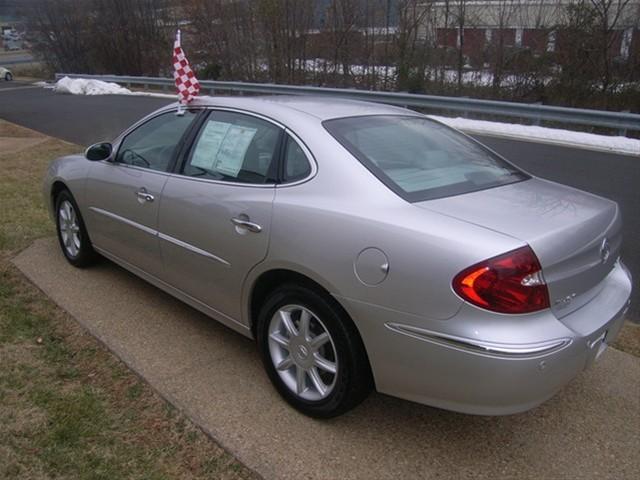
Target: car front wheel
8	77
312	352
72	234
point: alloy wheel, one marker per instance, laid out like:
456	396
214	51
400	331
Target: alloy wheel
303	352
69	228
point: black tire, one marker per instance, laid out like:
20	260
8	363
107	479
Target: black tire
353	380
8	77
85	255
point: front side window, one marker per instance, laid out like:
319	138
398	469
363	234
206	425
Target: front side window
420	159
153	144
236	148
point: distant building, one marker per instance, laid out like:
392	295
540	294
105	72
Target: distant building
520	24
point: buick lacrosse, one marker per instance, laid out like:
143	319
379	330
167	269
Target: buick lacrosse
362	246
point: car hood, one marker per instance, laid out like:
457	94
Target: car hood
564	226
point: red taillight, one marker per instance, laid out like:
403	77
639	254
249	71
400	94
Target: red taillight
509	283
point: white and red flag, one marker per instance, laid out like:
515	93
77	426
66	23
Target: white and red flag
186	81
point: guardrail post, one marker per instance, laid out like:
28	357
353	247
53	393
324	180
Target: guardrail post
623	131
536	120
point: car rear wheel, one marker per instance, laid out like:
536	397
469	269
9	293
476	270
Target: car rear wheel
72	234
8	77
312	352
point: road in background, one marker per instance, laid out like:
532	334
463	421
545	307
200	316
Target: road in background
85	120
10	58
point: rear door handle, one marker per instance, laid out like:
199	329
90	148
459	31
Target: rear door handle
244	223
144	196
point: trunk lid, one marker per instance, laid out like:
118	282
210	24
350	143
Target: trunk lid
575	235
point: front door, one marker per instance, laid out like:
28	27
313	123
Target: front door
123	194
215	216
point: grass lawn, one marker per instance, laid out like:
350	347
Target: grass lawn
68	407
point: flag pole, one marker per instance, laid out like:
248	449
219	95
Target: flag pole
187	84
180	111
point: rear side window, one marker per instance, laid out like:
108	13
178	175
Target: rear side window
420	159
236	148
152	145
296	163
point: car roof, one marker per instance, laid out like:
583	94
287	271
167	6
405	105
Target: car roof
320	107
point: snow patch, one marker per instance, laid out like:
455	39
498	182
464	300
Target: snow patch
81	86
84	86
558	136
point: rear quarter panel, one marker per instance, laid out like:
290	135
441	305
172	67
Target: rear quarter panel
320	227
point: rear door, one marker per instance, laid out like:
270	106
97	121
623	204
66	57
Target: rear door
124	193
215	217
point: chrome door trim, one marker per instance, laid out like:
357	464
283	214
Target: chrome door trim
158	234
192	248
476	346
135	167
223	182
131	223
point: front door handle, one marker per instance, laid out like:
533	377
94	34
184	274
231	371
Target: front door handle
144	196
245	223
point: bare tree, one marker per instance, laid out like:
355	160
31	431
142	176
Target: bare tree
411	53
459	15
59	33
225	35
502	14
73	35
285	24
608	14
343	16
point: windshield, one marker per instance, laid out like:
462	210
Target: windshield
421	159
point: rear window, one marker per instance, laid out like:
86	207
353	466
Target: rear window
420	159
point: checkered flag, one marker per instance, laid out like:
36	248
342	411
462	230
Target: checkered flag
186	81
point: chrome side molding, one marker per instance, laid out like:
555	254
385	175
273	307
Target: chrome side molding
124	220
475	346
163	236
192	248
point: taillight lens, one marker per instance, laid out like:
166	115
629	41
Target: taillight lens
509	283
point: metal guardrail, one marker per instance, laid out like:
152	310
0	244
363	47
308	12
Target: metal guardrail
620	121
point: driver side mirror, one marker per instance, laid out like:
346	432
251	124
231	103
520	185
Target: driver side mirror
99	151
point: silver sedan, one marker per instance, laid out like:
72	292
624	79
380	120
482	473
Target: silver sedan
363	246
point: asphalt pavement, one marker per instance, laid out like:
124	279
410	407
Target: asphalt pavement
589	430
88	119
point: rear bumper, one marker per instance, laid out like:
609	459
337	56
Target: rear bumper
488	364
